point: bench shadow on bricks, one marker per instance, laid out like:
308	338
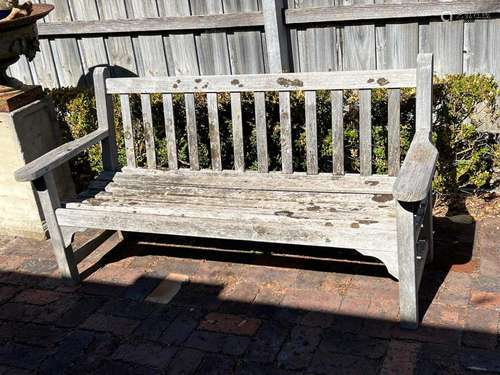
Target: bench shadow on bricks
105	327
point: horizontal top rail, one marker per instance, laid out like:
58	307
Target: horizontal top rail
142	25
399	78
362	12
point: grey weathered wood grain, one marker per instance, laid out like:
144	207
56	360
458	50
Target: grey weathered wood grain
213	130
149	135
359	12
416	174
268	82
407	244
151	46
58	156
128	131
182	57
359	48
168	112
238	143
261	129
192	133
156	24
337	99
105	119
393	131
276	36
245	47
92	49
365	132
425	69
49	202
286	133
119	48
65	51
311	132
213	54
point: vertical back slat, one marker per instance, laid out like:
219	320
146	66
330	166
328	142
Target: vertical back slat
213	129
191	132
149	135
311	132
286	133
393	130
260	123
239	154
128	131
337	98
168	111
365	132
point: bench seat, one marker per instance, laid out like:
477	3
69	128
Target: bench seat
322	210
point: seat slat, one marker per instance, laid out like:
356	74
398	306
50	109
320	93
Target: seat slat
286	133
213	129
393	129
324	182
149	136
192	133
365	132
128	131
261	127
311	132
238	143
337	99
168	110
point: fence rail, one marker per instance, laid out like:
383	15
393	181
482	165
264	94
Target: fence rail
191	37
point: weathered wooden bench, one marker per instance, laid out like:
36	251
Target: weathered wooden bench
388	217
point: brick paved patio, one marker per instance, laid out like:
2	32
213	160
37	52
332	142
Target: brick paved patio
175	308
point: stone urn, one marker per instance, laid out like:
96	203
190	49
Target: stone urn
18	36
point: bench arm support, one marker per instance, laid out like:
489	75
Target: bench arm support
415	177
58	156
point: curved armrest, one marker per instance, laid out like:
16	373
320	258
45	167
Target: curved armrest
53	159
416	174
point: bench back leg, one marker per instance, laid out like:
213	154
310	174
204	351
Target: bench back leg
407	258
49	200
428	229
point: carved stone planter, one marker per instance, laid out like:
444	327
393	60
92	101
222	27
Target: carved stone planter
19	37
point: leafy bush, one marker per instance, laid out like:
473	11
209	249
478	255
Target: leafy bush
466	161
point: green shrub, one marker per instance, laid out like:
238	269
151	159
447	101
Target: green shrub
467	157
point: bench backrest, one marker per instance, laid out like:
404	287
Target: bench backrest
336	82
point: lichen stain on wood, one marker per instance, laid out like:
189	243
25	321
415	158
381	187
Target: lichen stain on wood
285	82
198	80
313	208
382	81
355	225
367	222
235	82
371	80
284	213
372	183
382	198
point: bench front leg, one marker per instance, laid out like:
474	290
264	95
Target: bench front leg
407	259
49	201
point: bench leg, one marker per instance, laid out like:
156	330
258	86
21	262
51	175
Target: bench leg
428	231
49	200
408	283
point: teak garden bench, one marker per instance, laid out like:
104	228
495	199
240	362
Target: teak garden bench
388	217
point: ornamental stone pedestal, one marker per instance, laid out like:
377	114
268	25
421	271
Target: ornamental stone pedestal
28	129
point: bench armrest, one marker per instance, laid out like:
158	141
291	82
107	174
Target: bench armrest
53	159
416	174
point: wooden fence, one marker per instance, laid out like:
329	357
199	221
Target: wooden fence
190	37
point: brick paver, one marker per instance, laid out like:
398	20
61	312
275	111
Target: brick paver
151	309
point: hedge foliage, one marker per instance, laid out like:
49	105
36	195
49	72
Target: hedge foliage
462	104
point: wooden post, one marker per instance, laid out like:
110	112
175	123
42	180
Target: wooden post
277	39
49	200
407	258
425	69
105	118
